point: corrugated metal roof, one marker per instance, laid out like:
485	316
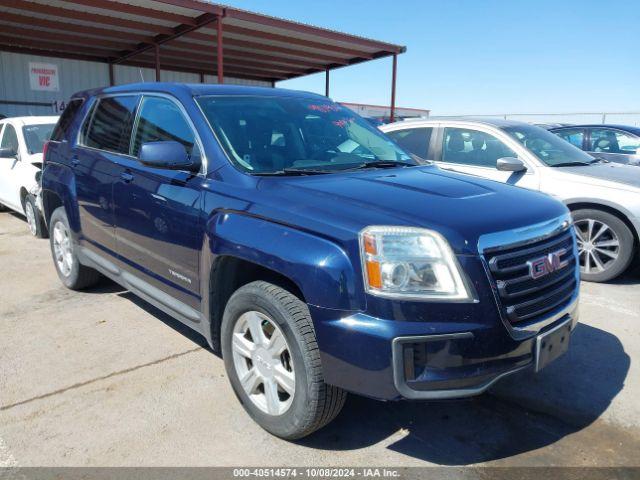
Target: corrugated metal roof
125	32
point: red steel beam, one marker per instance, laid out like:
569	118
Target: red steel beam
197	5
157	61
326	83
52	46
394	71
37	34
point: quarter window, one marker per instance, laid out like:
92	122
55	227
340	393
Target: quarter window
161	120
606	140
474	148
64	122
10	138
413	140
110	126
574	136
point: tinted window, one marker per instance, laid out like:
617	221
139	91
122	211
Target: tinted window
606	140
161	120
268	134
111	124
573	136
472	147
9	138
413	140
61	131
36	135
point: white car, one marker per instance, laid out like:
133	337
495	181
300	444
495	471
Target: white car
21	142
604	198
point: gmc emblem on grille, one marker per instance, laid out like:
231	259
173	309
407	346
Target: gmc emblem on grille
548	264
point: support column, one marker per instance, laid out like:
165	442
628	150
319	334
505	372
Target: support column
111	75
220	51
157	48
326	83
201	77
393	88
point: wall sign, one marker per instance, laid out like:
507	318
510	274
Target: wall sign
43	77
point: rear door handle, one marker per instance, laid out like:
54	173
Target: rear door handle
75	161
127	177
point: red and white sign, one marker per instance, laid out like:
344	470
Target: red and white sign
43	77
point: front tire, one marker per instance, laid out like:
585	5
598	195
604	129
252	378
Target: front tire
34	219
273	362
605	245
72	273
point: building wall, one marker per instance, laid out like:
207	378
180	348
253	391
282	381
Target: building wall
76	75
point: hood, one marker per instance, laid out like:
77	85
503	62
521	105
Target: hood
460	207
606	172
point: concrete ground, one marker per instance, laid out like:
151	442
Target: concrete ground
101	378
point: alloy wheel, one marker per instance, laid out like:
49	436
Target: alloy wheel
598	245
31	218
263	362
62	249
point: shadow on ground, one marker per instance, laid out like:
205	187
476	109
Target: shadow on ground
522	413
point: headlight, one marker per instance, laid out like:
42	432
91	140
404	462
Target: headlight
407	262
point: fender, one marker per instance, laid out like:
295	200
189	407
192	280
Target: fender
608	203
319	267
61	181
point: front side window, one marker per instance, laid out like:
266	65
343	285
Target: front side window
473	148
413	140
110	127
574	136
35	136
269	134
161	120
548	147
606	140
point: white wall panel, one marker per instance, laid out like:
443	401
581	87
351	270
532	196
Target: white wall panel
77	75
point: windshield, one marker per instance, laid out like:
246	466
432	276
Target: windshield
548	147
35	136
274	134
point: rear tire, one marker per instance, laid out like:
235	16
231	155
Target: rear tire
34	218
72	273
605	245
275	316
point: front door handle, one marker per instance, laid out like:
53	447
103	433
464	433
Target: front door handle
75	161
126	176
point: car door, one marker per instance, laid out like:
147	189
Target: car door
614	145
104	140
157	211
476	152
9	169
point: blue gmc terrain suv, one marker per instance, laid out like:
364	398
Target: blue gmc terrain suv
309	249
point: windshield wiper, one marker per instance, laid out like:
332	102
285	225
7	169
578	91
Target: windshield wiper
383	164
571	164
598	160
291	171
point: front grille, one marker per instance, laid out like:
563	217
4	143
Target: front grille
524	299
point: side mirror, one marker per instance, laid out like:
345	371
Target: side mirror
8	152
510	164
170	155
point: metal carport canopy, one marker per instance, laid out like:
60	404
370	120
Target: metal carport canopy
183	35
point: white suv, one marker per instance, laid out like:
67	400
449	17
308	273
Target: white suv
21	142
604	198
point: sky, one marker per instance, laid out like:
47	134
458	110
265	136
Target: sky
482	56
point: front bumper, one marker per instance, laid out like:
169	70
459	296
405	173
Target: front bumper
391	359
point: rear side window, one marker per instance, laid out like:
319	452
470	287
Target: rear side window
110	124
574	136
10	138
413	140
61	130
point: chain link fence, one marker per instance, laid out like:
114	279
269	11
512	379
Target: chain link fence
624	118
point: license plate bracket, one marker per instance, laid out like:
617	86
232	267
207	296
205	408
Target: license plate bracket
552	344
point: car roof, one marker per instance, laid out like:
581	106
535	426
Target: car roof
198	89
627	128
32	120
496	122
